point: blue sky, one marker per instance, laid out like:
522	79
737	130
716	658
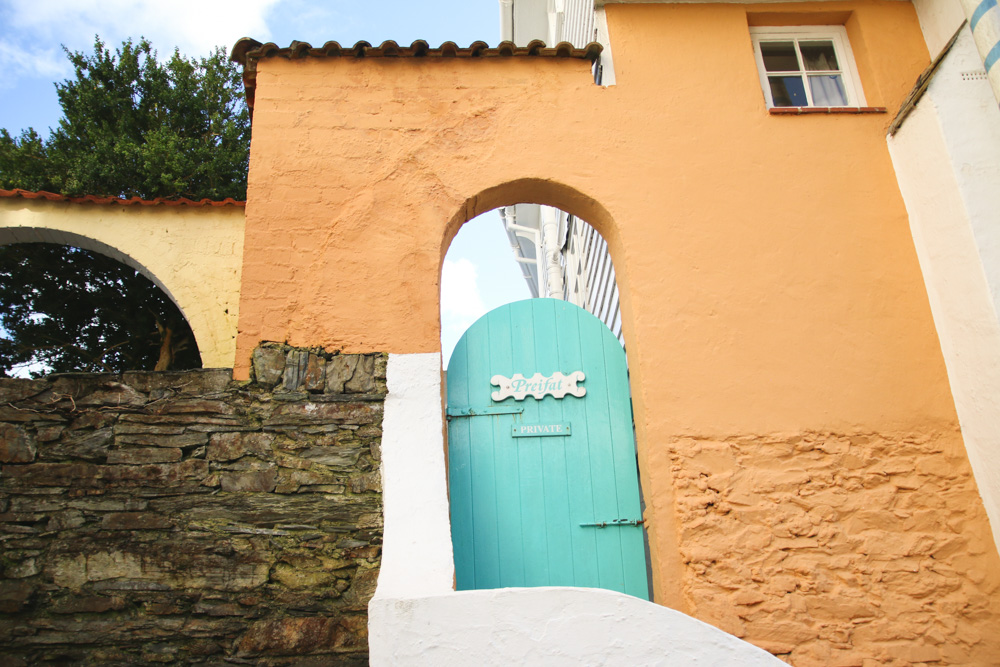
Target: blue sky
33	32
480	273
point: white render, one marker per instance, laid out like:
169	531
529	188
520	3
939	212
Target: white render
578	22
415	616
606	64
947	160
416	549
552	627
938	21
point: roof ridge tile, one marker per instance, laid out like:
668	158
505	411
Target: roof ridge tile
133	201
248	51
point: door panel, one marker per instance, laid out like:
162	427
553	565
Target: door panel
517	503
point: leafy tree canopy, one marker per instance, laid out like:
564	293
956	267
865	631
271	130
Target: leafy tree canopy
132	126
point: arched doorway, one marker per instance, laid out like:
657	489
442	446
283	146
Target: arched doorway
560	256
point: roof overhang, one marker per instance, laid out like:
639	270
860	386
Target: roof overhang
248	52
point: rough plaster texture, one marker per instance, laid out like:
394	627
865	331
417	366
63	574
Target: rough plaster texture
181	518
194	254
786	283
415	618
829	549
945	156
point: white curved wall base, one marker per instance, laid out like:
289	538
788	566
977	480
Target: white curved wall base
547	626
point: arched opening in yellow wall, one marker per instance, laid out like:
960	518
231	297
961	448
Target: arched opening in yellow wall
73	303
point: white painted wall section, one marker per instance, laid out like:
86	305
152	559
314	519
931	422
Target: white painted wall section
416	551
415	618
947	161
552	627
939	19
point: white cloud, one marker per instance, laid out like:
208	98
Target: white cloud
461	302
33	32
195	26
42	62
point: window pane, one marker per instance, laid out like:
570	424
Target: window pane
779	57
788	91
819	55
827	91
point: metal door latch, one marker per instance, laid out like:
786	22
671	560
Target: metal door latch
453	413
613	522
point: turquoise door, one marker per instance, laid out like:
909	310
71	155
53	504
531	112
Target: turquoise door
544	489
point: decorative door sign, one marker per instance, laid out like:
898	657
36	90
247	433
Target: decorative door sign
538	385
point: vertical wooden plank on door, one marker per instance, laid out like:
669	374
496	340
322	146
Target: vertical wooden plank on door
545	313
481	441
460	470
579	484
626	467
508	498
529	453
602	463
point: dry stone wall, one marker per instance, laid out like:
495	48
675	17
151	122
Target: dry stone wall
840	550
182	518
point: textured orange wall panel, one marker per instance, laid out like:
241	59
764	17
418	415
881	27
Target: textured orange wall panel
770	290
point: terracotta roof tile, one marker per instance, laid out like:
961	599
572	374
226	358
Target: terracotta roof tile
248	51
134	201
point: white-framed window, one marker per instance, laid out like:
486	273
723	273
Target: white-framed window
807	66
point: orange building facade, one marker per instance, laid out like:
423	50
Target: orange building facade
805	479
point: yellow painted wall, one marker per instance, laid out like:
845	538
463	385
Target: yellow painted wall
774	312
193	253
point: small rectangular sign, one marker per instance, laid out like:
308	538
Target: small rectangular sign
539	430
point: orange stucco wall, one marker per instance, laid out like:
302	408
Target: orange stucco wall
770	291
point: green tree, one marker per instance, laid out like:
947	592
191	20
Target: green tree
131	126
